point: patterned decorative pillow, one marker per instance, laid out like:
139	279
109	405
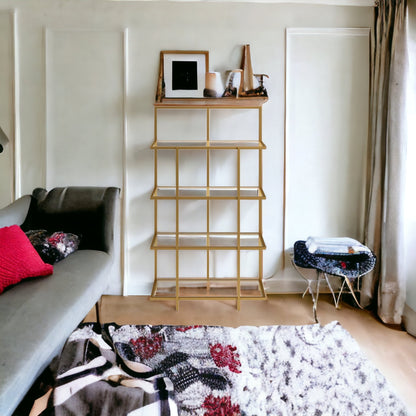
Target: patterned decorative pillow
18	259
53	247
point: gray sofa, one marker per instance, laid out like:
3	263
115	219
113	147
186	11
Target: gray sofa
37	315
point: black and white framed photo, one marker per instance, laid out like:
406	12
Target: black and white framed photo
184	73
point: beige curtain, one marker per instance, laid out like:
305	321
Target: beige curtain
384	222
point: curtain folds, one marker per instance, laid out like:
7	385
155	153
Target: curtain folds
384	231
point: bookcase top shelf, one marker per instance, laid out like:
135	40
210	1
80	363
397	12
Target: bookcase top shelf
204	144
229	102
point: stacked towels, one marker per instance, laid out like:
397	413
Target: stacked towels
335	245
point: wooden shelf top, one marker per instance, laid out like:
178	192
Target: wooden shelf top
228	102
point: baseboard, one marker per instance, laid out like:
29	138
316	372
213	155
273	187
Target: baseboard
289	281
280	287
409	320
275	286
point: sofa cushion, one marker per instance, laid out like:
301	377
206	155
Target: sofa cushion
53	247
18	258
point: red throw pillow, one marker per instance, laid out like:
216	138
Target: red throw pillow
18	258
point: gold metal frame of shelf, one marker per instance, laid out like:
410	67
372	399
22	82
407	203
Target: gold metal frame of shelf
209	241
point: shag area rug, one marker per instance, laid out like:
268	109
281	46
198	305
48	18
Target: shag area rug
210	371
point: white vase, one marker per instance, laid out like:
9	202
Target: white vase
213	85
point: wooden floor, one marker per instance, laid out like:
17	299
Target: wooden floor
391	350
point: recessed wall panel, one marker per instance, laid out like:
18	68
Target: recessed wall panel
327	88
85	107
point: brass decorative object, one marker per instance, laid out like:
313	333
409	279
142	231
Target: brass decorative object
247	87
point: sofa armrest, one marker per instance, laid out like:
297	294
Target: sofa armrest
16	212
87	211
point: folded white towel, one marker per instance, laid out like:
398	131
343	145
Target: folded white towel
335	245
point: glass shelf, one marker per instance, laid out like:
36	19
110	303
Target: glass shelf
213	288
203	192
204	144
211	241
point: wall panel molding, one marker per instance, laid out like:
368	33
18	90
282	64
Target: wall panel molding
86	81
326	132
7	106
71	85
17	174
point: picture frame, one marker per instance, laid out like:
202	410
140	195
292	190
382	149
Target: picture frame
183	73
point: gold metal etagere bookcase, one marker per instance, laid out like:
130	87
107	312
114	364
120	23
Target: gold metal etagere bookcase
239	287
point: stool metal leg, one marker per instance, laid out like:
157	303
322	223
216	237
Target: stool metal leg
315	298
309	289
332	290
340	293
346	281
349	284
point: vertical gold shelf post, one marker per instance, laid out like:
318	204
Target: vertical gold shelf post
238	229
155	202
208	196
177	231
260	202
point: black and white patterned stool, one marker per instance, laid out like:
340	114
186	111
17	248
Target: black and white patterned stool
350	267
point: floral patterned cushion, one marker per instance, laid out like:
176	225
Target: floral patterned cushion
54	247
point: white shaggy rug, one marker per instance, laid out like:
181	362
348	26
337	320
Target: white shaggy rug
220	371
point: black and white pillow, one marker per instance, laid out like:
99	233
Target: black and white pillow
53	247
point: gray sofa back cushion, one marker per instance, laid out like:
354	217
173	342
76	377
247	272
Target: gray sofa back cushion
85	211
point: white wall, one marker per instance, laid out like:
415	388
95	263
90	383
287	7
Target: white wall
87	75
